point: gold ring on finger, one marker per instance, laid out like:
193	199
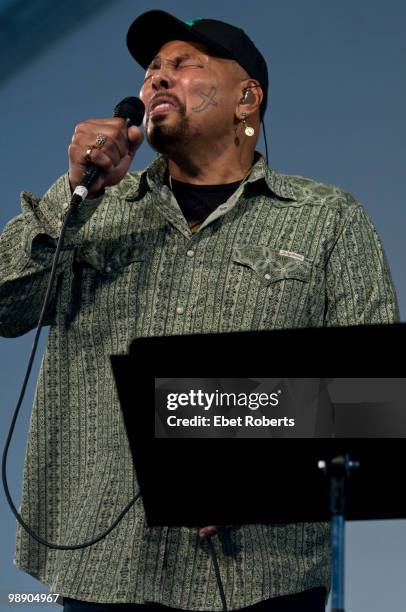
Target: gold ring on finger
100	140
88	153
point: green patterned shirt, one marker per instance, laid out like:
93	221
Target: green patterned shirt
282	252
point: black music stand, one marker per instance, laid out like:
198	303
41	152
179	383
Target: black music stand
170	472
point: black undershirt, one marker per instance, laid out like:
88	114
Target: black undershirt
198	201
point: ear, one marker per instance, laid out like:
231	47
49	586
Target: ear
251	98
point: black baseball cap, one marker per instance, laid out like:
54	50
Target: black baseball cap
151	30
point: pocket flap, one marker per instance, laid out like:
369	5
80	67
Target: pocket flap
109	256
271	265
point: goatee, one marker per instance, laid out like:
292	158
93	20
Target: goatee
167	139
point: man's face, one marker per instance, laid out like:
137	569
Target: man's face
190	96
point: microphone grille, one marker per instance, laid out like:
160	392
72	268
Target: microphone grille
131	109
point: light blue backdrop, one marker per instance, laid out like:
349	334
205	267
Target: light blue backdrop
336	114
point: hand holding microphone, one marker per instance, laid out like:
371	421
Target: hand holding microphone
103	149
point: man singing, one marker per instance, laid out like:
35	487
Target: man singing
206	239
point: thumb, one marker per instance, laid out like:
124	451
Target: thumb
135	138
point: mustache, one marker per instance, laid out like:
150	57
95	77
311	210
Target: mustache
172	97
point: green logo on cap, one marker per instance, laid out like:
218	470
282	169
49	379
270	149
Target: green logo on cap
191	22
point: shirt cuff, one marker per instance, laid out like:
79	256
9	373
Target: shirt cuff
45	218
55	204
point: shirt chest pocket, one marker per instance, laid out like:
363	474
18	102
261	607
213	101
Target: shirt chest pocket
105	281
108	259
269	266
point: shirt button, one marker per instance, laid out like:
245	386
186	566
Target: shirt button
66	206
108	268
190	253
268	276
180	310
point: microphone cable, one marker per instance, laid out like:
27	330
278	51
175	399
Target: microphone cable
217	572
266	144
18	406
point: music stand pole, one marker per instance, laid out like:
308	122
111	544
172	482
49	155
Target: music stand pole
338	471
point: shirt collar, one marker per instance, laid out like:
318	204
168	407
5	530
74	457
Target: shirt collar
154	177
279	184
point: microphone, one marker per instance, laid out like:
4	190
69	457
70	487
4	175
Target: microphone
130	109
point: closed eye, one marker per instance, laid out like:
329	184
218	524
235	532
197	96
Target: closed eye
178	65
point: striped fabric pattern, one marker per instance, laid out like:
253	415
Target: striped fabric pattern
282	252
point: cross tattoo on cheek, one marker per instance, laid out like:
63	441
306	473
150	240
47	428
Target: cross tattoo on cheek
207	99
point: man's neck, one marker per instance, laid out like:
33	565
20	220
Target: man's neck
211	170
